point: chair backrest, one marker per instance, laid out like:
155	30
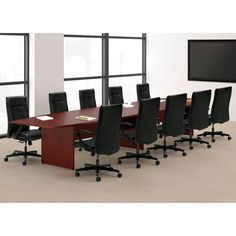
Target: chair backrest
220	106
173	122
58	102
198	113
87	98
107	134
143	91
17	108
146	123
115	95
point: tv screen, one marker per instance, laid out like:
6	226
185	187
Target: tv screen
212	60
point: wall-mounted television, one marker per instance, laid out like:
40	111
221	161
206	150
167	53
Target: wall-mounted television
212	60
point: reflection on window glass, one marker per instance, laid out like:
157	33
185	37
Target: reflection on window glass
72	89
82	57
125	56
128	85
11	58
6	91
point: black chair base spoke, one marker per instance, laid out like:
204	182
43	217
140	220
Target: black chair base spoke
166	147
215	133
138	156
97	167
193	140
24	154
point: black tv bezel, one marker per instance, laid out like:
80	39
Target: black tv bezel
203	41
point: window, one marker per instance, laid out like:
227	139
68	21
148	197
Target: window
100	61
14	50
82	57
82	67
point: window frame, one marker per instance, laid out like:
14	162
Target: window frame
105	61
24	82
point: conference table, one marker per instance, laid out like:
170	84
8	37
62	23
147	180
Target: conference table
58	135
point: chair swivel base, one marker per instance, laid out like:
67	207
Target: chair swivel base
25	154
193	140
215	133
97	168
138	156
167	147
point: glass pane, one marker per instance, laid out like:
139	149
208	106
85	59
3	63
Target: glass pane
125	56
128	85
82	57
11	58
6	91
72	89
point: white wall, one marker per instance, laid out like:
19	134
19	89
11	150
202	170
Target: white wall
167	66
48	69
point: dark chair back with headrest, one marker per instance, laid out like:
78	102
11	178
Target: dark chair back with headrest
143	91
198	113
115	95
107	134
146	123
17	108
58	102
173	123
220	106
87	98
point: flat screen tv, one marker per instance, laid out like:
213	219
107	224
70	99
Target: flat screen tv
212	60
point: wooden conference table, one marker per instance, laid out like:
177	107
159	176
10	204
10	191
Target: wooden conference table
58	135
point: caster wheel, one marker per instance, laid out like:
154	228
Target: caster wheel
160	136
119	161
191	147
157	163
92	154
98	178
119	175
138	166
229	138
213	140
24	163
184	154
80	149
165	155
5	159
77	174
208	146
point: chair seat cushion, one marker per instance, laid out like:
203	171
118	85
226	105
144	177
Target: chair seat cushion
28	135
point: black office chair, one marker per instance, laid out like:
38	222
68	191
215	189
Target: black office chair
173	123
197	117
58	102
143	91
87	98
145	131
17	109
115	95
106	140
219	112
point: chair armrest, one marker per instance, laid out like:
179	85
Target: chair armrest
83	131
18	132
126	135
125	124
